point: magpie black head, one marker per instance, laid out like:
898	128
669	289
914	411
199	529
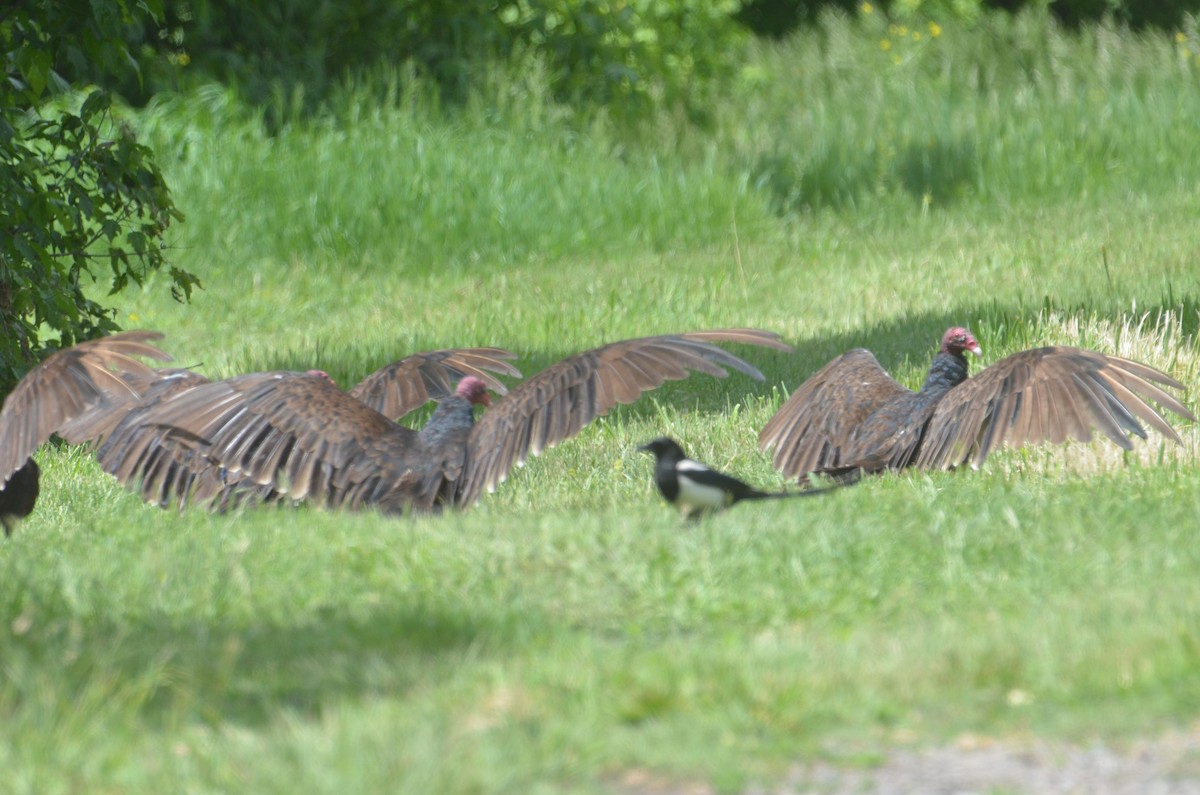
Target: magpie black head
664	448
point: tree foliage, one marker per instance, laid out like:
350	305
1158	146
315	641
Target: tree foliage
777	18
623	55
83	201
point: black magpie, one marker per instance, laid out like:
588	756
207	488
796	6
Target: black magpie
695	488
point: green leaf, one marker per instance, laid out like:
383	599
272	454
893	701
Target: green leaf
154	8
34	65
182	284
97	102
31	255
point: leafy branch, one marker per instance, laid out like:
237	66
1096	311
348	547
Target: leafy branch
81	192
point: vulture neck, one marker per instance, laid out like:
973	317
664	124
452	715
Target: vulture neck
947	371
453	417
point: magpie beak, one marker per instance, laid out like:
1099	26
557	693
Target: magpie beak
694	488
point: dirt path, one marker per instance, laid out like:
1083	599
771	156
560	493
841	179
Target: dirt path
1169	765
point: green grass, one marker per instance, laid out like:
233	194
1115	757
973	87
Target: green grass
852	111
568	630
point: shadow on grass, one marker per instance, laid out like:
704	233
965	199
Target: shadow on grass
940	169
220	670
912	340
902	342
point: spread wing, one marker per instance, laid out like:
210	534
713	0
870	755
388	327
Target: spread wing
815	429
64	386
557	402
295	433
1048	395
396	389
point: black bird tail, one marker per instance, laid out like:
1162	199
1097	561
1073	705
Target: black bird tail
811	491
841	476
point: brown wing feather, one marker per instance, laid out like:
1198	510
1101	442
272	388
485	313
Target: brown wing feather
294	432
167	469
267	436
814	429
556	403
66	385
1048	395
400	387
96	423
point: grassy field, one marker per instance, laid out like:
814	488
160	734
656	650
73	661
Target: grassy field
568	631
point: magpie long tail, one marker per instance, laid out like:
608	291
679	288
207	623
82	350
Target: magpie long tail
842	476
808	492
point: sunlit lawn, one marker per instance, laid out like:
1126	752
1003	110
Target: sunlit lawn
569	629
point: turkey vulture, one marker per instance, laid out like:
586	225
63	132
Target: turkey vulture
851	416
52	395
172	471
393	390
695	488
300	435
